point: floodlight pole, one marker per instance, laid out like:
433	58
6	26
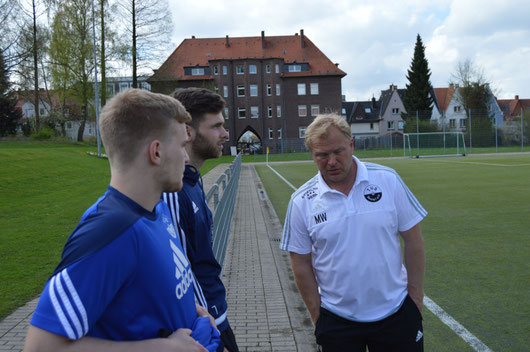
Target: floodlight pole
96	90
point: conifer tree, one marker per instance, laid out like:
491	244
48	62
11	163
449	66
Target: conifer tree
418	94
8	115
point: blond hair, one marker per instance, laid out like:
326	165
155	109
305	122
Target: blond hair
319	128
132	117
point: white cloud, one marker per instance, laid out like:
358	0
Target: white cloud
374	40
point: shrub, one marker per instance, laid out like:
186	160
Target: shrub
45	133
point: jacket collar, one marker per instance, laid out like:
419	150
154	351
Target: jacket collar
191	175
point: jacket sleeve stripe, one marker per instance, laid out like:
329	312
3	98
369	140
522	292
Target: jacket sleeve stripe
77	300
59	311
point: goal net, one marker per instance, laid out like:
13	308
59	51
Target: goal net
433	144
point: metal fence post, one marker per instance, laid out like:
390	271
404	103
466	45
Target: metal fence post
470	134
522	131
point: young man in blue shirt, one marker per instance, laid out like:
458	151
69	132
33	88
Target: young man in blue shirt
207	135
123	280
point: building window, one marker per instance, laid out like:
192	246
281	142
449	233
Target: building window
390	125
295	68
302	110
401	124
278	111
225	70
197	71
367	110
314	88
277	68
270	133
268	68
216	90
228	133
216	70
68	125
241	113
301	88
253	90
301	132
225	91
279	133
226	113
42	112
462	123
315	110
278	90
252	69
254	112
371	126
344	111
269	112
452	123
124	86
240	91
457	108
395	111
269	90
240	69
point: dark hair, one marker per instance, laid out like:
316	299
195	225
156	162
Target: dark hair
199	101
132	117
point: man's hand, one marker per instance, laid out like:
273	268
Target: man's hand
182	342
202	312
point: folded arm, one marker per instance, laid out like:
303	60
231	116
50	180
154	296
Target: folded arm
43	341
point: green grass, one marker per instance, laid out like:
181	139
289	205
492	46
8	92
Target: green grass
45	187
476	237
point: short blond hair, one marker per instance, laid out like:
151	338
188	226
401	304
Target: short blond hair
132	117
319	128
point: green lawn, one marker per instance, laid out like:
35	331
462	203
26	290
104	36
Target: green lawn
44	189
477	242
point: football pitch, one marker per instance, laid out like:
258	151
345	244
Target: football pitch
477	243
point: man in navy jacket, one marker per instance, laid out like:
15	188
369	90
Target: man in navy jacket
207	136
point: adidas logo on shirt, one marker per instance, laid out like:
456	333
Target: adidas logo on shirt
195	207
182	271
419	336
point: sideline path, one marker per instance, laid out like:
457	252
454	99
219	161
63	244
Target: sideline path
265	309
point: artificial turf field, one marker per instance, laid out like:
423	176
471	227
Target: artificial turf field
477	242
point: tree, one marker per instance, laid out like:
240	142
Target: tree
418	94
149	31
473	93
9	116
71	55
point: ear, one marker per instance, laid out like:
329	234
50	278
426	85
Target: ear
190	131
154	152
352	144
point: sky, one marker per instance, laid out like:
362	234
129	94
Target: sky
373	41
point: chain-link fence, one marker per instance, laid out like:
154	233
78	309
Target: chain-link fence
424	133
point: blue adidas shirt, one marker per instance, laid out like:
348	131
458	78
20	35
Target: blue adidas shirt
196	222
123	276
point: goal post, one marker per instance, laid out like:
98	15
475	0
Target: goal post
433	144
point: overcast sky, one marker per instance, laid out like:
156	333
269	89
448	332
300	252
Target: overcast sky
373	41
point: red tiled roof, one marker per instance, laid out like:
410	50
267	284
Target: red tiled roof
443	97
200	51
513	105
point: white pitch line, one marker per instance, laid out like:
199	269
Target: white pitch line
283	178
478	163
458	328
461	331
